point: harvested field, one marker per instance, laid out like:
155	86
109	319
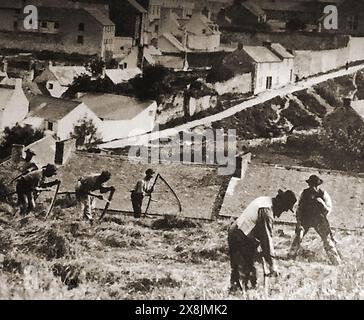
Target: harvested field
159	259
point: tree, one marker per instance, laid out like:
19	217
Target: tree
152	84
18	134
86	134
96	66
220	74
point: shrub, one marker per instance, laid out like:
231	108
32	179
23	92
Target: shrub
18	134
220	74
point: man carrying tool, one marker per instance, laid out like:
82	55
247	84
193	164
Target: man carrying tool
313	209
31	184
253	229
143	187
84	188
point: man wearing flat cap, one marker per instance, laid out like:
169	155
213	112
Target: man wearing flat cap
143	187
252	229
313	209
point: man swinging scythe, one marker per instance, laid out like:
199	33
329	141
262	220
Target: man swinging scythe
145	187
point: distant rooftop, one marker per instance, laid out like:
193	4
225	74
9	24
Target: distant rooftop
122	75
51	108
114	107
261	54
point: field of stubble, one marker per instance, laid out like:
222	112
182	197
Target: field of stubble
157	258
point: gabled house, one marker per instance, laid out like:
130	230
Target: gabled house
202	34
197	34
130	18
121	116
58	116
14	105
271	65
241	13
63	27
57	79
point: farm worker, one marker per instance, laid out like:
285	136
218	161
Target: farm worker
88	184
31	184
143	187
313	209
252	229
29	165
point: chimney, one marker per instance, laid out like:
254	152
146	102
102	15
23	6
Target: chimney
267	44
103	73
50	64
347	102
18	84
5	66
240	46
17	152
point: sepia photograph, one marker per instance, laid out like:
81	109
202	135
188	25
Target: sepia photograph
207	151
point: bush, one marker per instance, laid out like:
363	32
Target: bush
24	135
86	134
152	84
220	74
298	117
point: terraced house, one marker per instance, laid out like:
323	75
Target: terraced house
70	28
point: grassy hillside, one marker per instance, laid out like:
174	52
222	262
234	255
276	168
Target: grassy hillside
156	258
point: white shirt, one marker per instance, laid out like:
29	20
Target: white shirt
248	219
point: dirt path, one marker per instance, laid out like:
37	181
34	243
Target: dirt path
261	98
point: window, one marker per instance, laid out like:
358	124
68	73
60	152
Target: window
156	28
81	27
17	11
269	83
353	23
122	48
204	31
50	86
80	39
56	25
50	126
125	65
44	24
15	25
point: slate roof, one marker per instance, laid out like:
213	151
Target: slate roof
114	107
50	108
278	48
261	54
66	74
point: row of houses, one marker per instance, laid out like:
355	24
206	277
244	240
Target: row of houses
278	13
115	116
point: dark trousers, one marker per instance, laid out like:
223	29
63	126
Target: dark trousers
137	202
25	197
243	252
